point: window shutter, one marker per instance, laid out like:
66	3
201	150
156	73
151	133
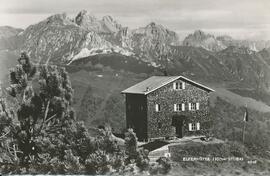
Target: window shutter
175	107
183	106
183	85
174	85
197	106
190	127
198	126
189	106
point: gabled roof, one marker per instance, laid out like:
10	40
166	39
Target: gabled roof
155	82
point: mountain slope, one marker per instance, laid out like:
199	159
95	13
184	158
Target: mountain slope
246	66
206	41
252	45
153	41
265	55
212	43
57	39
8	31
9	37
232	67
238	100
62	40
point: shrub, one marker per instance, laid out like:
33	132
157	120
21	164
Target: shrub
163	166
139	156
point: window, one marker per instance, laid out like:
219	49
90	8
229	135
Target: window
193	106
157	107
194	126
179	107
178	85
159	125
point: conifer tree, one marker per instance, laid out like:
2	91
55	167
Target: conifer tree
135	154
44	114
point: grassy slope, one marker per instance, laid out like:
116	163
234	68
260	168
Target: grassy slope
238	101
228	125
98	99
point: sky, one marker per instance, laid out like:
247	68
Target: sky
242	19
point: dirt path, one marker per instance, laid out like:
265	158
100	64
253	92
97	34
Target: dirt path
159	150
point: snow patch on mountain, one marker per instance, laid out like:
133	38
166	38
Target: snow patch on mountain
85	52
154	64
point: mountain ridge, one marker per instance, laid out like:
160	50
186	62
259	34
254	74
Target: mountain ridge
218	43
60	39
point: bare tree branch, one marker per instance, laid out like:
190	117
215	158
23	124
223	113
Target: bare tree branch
50	118
1	137
45	116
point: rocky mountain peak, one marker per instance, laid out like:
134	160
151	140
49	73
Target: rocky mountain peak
84	17
212	43
238	50
59	18
156	31
206	41
153	41
108	18
110	24
200	35
90	23
151	25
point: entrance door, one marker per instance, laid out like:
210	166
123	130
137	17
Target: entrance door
177	122
179	131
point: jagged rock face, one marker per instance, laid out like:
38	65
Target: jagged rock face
234	50
265	55
206	41
110	24
89	22
60	40
123	37
153	41
57	39
252	45
212	43
265	52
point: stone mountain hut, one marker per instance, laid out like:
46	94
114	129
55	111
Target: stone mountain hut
167	106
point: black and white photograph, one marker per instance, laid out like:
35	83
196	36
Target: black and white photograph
135	87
